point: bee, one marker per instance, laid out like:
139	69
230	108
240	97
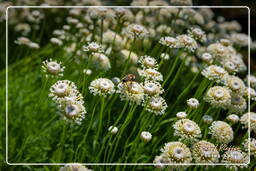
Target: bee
128	78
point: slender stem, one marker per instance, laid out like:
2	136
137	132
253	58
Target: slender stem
127	62
172	68
101	117
101	30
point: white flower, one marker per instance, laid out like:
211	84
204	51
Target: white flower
109	37
136	31
251	80
72	111
176	152
56	41
87	71
181	115
93	47
233	118
165	56
214	72
52	68
171	42
187	130
152	88
102	86
113	129
230	66
205	152
146	136
74	167
221	132
186	42
156	105
22	41
235	84
150	74
218	97
235	156
251	93
148	62
101	61
131	91
33	45
63	89
182	2
197	34
245	120
218	51
207	119
207	57
128	56
250	143
240	39
116	80
238	104
193	103
160	161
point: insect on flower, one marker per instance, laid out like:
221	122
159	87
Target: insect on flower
128	78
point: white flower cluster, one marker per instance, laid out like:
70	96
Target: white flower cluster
69	100
182	41
27	42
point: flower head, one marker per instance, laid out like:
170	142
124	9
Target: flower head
218	97
131	91
102	86
152	88
249	118
64	89
193	103
207	57
171	42
207	119
197	34
146	136
92	47
186	42
72	111
101	61
250	143
52	68
148	62
205	152
238	104
233	118
74	167
176	152
187	130
235	156
156	105
214	72
136	31
235	84
181	115
113	129
221	132
150	74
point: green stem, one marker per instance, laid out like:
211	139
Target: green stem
101	118
172	68
101	30
125	124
